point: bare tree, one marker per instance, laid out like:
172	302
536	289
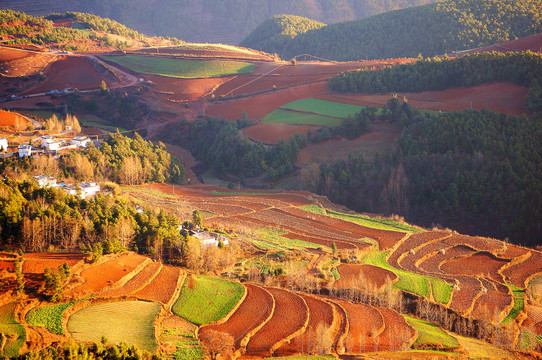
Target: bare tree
217	343
131	171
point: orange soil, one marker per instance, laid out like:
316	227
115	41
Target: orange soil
17	62
162	287
252	312
502	97
138	282
397	334
69	72
352	276
321	241
35	263
518	274
365	325
8	118
320	314
408	262
480	264
100	276
272	133
492	303
415	240
184	89
432	264
289	316
7	265
481	244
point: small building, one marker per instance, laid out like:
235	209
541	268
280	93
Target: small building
89	189
52	145
25	150
209	239
45	181
70	189
80	141
3	144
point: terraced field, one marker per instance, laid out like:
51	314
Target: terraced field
12	330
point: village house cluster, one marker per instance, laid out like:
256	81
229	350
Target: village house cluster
84	190
49	144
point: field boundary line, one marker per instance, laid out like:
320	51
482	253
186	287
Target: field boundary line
230	313
128	276
180	281
342	338
417	248
516	261
245	340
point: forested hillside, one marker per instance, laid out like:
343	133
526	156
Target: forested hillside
430	30
226	21
274	34
474	171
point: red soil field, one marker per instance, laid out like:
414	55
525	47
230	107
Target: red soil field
98	277
432	264
518	274
534	312
365	325
185	89
409	261
138	282
289	316
257	107
163	286
492	303
368	275
463	297
35	263
513	251
18	62
337	149
8	118
69	72
482	264
7	265
531	42
343	325
252	312
398	334
320	314
502	97
272	133
415	240
481	244
221	208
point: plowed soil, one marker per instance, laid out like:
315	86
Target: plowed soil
100	276
518	274
365	325
368	276
138	282
35	263
7	265
481	264
252	312
8	118
415	240
463	297
163	286
501	97
290	315
320	314
397	335
492	303
433	264
408	262
17	62
185	89
481	244
69	72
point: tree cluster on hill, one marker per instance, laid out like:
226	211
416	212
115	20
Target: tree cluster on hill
275	33
475	171
190	19
432	29
221	145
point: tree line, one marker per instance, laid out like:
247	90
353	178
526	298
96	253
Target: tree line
431	29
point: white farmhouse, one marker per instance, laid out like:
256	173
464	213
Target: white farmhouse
80	141
52	145
3	144
25	150
45	181
89	189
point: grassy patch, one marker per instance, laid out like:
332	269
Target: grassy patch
324	107
15	331
49	316
335	273
431	334
181	68
518	304
44	114
478	349
148	191
273	236
129	321
411	282
299	118
205	299
374	223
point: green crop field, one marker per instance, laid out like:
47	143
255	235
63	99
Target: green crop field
273	236
518	304
299	118
411	282
128	321
9	326
382	224
181	68
431	334
323	107
49	316
205	299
